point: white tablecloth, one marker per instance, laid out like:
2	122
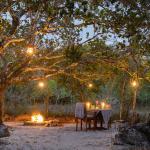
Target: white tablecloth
106	117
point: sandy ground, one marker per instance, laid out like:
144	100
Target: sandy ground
55	138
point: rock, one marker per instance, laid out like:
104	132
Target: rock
138	135
143	128
4	131
148	119
133	137
53	123
117	140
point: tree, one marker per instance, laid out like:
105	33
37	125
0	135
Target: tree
128	22
30	37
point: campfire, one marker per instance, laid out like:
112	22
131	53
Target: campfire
37	118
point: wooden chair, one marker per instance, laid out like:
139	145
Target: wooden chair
99	119
82	116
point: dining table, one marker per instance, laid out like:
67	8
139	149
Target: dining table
101	115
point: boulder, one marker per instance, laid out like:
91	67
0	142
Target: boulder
143	128
4	131
137	135
133	137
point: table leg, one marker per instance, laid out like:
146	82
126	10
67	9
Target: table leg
89	124
81	124
95	124
76	120
101	123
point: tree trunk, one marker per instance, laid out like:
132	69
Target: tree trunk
122	99
46	106
134	100
2	91
82	97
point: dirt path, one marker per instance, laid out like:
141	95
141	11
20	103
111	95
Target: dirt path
55	138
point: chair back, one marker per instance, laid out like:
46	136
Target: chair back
99	115
80	111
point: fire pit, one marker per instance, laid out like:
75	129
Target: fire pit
38	120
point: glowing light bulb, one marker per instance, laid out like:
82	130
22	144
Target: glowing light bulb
30	51
41	84
134	83
90	85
